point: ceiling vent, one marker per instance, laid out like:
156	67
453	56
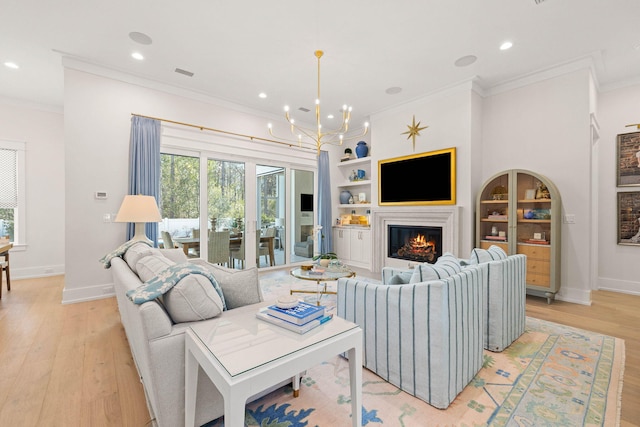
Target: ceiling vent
185	72
538	1
306	110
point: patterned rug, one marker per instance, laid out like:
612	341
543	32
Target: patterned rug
552	375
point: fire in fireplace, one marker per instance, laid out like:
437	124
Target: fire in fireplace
415	243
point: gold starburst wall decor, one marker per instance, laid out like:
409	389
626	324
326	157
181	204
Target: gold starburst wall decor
414	130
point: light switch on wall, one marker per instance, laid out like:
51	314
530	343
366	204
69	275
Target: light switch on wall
569	219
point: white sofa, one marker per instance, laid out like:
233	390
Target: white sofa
425	337
157	340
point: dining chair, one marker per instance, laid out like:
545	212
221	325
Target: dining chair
167	241
237	253
263	247
219	252
4	267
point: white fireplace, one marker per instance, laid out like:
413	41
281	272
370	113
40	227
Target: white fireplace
446	217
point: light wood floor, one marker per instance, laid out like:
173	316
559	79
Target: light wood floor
70	365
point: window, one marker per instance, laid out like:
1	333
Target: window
12	191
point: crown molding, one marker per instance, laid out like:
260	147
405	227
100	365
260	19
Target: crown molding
16	102
588	62
81	64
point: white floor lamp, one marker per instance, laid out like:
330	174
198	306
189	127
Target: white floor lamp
139	209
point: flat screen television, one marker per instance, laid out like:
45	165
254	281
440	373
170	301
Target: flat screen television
420	179
306	202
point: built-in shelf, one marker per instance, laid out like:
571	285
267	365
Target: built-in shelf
355	206
355	162
356	183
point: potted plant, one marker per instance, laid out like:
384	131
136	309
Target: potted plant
324	258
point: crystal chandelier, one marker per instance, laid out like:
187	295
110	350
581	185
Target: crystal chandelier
318	137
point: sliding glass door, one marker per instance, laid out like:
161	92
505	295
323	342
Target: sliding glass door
226	213
180	203
271	215
302	214
256	214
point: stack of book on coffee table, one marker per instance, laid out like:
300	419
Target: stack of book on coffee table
300	318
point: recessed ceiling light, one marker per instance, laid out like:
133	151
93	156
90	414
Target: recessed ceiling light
330	116
137	55
11	65
506	45
464	61
393	90
141	38
262	95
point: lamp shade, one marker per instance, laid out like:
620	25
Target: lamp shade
139	209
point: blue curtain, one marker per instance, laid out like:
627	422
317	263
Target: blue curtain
144	166
324	202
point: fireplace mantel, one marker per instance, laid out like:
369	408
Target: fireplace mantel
447	217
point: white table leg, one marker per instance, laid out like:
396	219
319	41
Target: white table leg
355	381
234	407
190	388
296	385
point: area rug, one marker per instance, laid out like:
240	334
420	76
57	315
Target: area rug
553	375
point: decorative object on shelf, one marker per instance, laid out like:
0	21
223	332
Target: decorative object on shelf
361	149
414	130
530	194
347	154
318	135
542	192
494	231
499	193
352	175
362	197
528	214
361	174
351	200
345	195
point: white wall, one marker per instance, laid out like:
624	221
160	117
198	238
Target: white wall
452	117
97	125
618	265
43	132
545	127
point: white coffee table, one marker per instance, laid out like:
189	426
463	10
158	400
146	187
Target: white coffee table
244	356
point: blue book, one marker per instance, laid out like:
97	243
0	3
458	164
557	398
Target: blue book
301	329
299	315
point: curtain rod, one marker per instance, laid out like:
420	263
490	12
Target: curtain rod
250	137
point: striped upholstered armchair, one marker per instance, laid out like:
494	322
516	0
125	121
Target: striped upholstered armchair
424	337
505	291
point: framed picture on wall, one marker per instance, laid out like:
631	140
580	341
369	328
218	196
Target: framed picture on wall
629	218
628	158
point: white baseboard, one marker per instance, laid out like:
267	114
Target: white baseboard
35	272
622	286
87	293
574	295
